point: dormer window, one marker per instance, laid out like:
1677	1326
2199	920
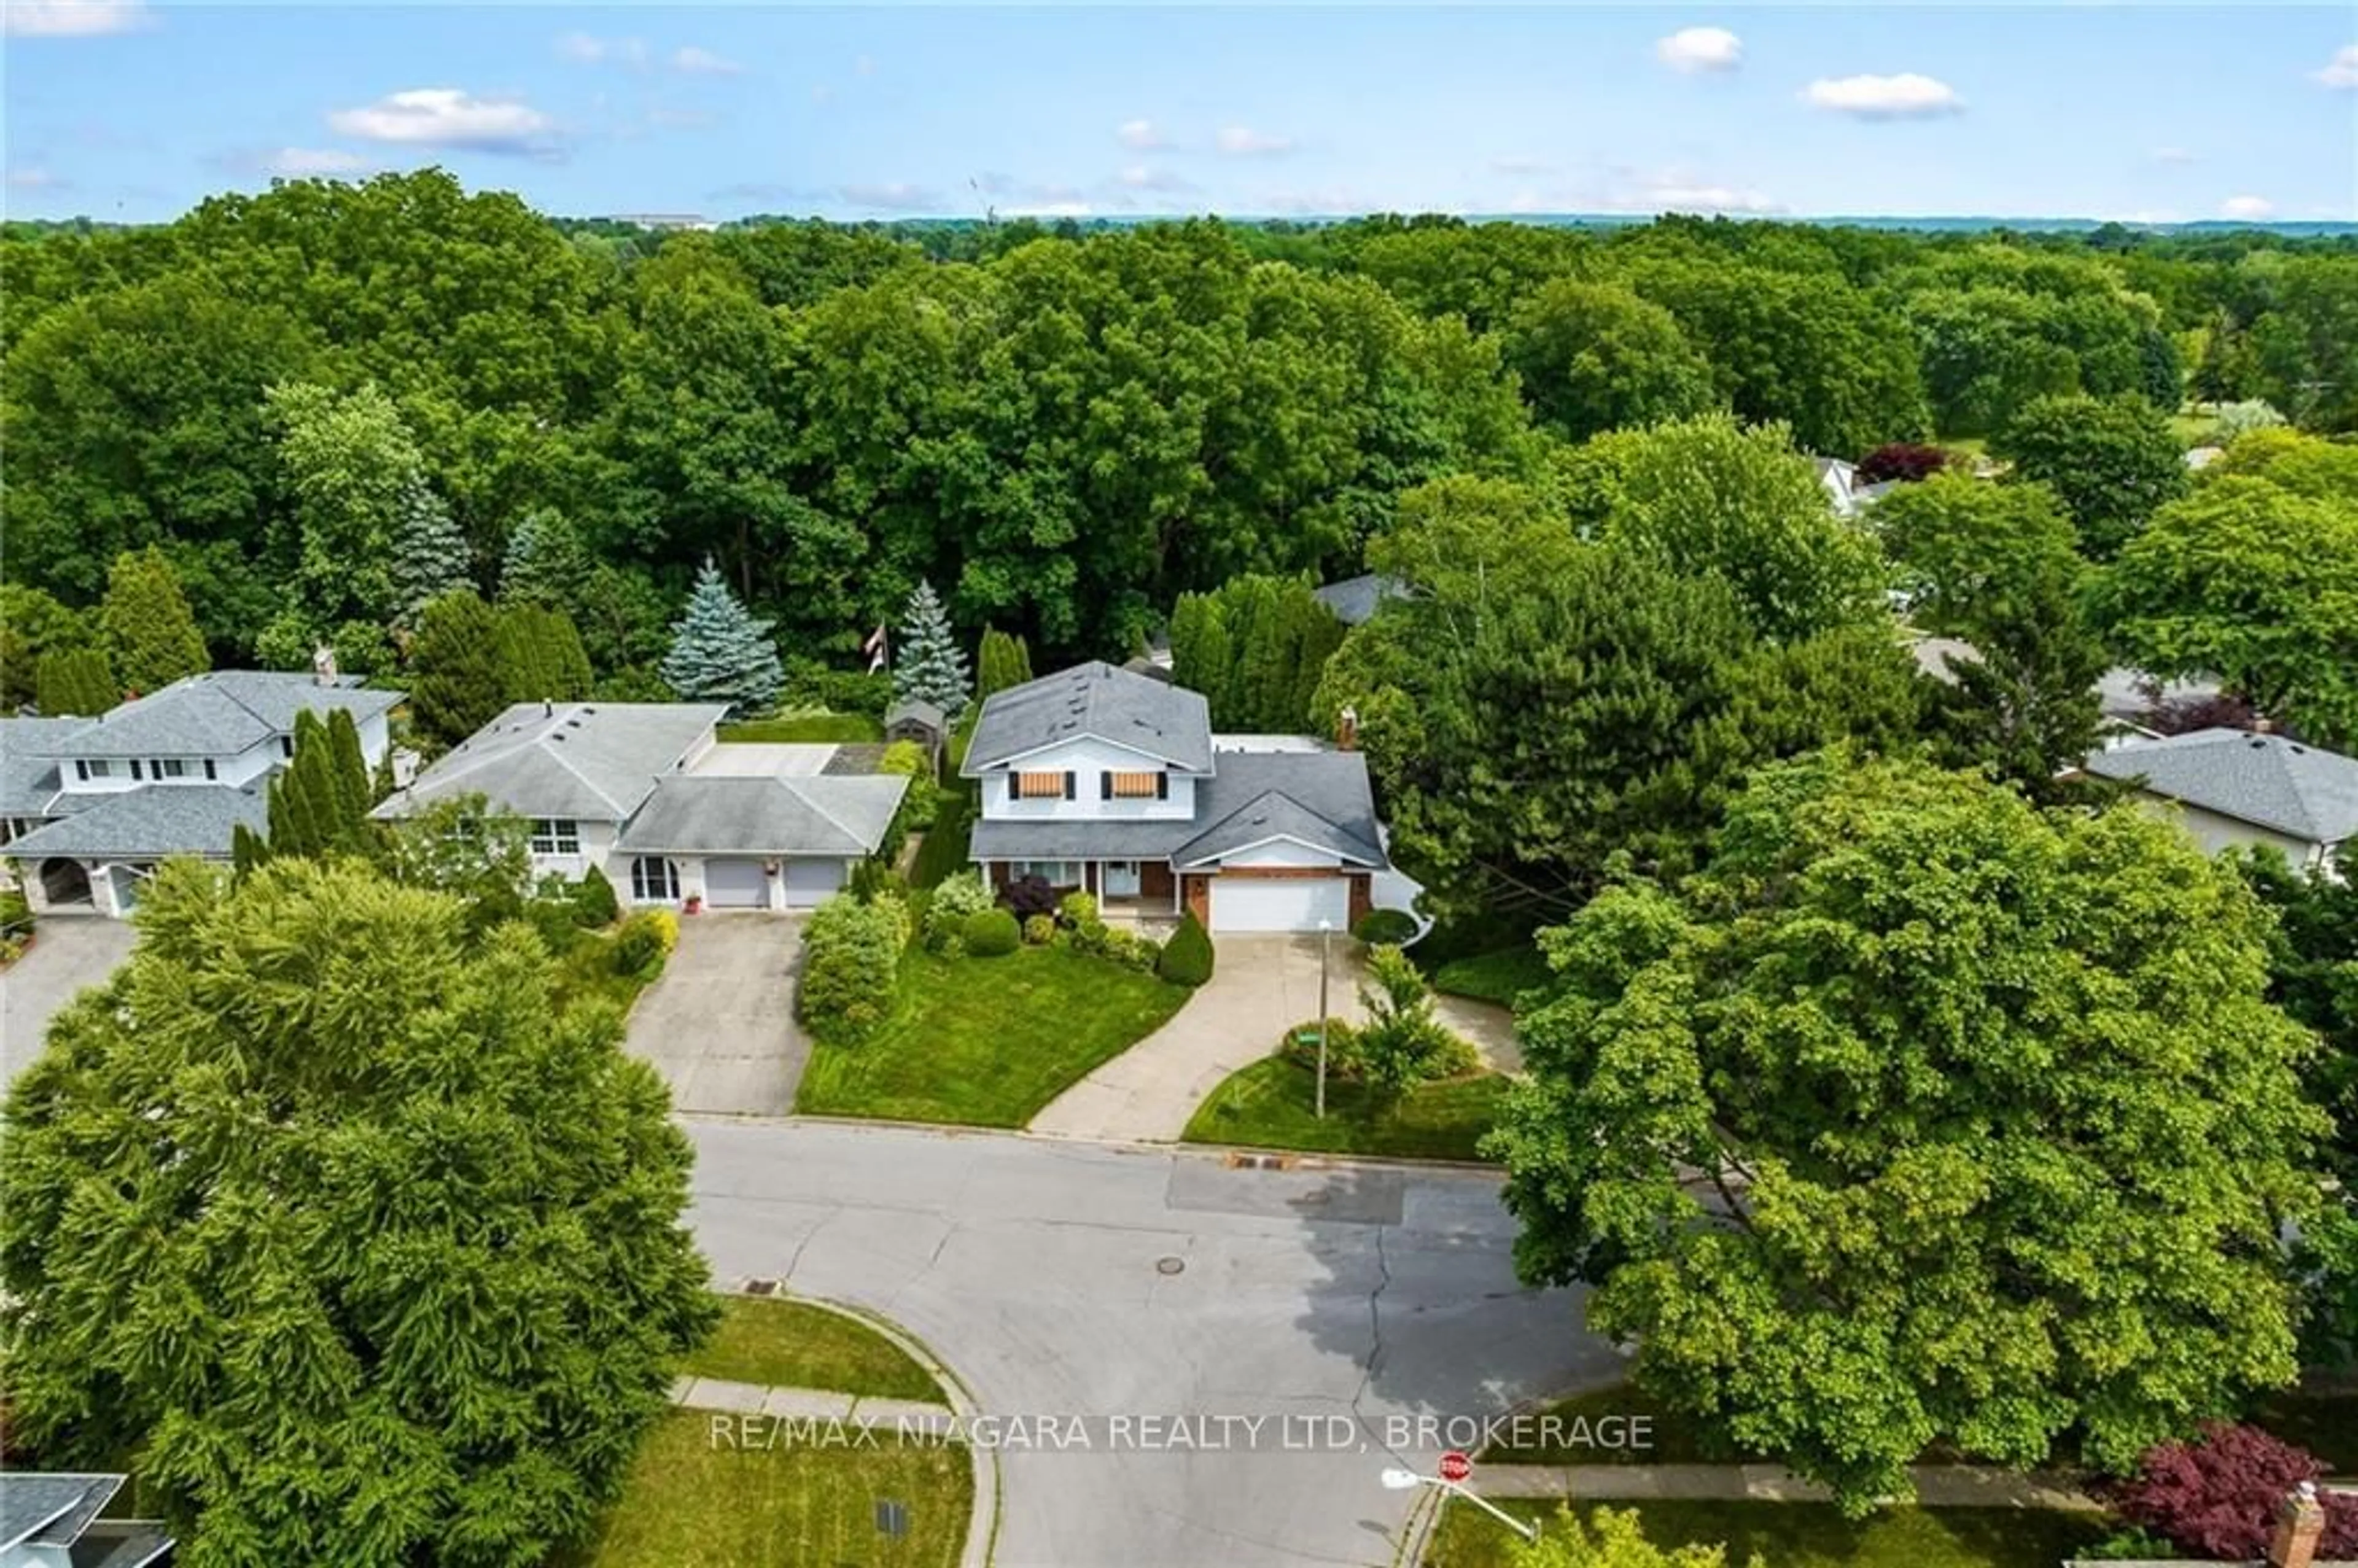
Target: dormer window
1039	786
1154	785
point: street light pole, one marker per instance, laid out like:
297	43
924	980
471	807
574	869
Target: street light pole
1401	1480
1326	931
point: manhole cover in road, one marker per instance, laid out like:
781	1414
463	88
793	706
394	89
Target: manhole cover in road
1170	1265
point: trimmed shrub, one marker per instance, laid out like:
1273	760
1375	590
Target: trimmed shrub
872	879
1186	958
852	966
1385	927
1346	1063
2217	1497
1028	896
993	933
1139	952
947	911
1076	908
644	941
594	903
1039	930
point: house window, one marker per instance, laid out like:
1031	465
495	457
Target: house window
287	745
555	836
209	767
1039	786
167	768
1056	874
93	770
653	880
1132	786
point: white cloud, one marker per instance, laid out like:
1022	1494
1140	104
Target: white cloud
33	180
2341	70
1243	141
2172	155
449	117
1139	176
72	18
2253	208
582	49
1905	96
1710	199
892	197
306	163
1140	136
703	62
1331	202
1694	50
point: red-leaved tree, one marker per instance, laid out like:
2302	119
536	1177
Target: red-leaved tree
1908	461
2218	1496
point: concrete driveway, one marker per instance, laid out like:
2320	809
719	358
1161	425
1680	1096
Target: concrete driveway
720	1024
68	952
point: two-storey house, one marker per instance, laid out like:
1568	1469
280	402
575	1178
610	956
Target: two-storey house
89	805
1113	782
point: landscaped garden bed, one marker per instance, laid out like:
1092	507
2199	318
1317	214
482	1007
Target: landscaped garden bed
1802	1535
1273	1105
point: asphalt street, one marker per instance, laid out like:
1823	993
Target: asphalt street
1211	1364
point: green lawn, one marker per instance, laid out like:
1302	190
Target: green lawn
810	727
988	1041
1804	1535
1271	1103
795	1344
1498	975
696	1497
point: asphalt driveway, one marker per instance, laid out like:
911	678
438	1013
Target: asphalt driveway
720	1024
68	952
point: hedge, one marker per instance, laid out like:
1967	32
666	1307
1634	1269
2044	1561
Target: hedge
993	933
851	967
1186	958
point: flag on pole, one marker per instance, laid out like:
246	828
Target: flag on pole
875	649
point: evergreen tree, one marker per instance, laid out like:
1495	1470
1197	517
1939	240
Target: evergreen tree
429	552
930	665
151	636
248	850
545	563
75	681
455	680
718	652
540	655
319	802
355	791
1003	662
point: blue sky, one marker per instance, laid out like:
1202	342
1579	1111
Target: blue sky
132	111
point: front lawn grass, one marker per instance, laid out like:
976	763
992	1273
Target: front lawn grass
1500	976
1801	1535
1671	1438
839	727
695	1496
795	1345
989	1042
1273	1105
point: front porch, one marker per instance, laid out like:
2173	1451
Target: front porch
1136	893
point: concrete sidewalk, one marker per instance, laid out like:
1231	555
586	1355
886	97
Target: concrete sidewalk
805	1404
1937	1486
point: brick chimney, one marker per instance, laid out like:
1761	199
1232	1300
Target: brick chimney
1347	730
2300	1521
323	663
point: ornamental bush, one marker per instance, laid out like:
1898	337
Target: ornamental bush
1186	958
644	941
1379	927
1346	1063
594	903
1039	930
919	806
947	911
1129	948
851	967
2217	1497
1031	895
993	933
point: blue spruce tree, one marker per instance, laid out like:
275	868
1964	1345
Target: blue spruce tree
429	554
929	665
718	652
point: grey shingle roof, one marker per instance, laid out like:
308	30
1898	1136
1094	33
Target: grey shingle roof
918	709
29	762
1077	839
711	815
1354	600
216	714
150	823
1094	700
2269	780
591	762
49	1507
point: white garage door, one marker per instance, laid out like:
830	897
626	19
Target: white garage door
809	882
736	884
1280	904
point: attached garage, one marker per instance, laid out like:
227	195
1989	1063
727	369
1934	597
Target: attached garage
733	883
1280	904
809	882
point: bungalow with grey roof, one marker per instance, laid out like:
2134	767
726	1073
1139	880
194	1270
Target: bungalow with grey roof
1101	779
2235	789
647	793
88	807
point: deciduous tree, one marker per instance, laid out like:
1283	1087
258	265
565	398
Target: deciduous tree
2112	460
1595	357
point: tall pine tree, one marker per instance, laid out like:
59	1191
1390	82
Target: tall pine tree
355	790
720	652
545	563
456	685
151	636
929	665
540	655
75	681
1003	661
429	552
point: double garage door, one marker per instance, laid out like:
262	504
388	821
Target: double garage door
1280	904
741	884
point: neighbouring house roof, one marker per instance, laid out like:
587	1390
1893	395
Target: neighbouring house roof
2132	693
1321	799
2272	781
592	761
218	713
150	823
1094	701
29	763
1354	599
1939	657
696	813
916	710
54	1518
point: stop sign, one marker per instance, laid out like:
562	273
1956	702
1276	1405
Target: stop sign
1455	1466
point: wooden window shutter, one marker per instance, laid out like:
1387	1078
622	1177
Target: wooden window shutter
1015	787
1162	786
1068	786
1105	786
134	770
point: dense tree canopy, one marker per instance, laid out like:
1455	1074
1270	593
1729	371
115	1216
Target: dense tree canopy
1996	1126
325	1210
2112	461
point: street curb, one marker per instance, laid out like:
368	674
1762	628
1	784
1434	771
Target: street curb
982	1525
